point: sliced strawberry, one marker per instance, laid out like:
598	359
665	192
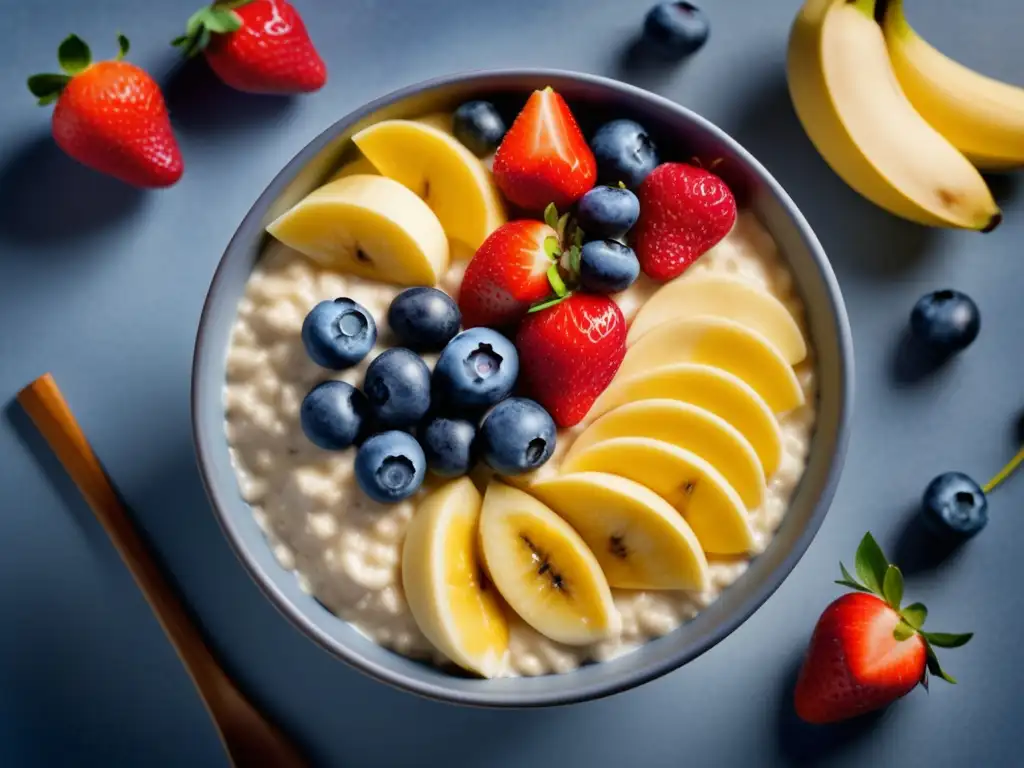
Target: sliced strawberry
569	352
866	651
684	212
544	158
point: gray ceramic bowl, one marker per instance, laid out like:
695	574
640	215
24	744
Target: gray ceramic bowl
680	133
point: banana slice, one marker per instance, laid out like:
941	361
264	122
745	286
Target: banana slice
728	297
434	165
638	538
686	426
721	343
686	481
454	604
370	226
358	167
712	389
544	570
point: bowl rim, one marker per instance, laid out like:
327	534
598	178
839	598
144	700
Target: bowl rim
760	592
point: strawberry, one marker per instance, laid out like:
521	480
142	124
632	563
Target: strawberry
569	350
867	651
544	157
684	212
258	46
110	116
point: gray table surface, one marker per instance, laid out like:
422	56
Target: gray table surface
103	286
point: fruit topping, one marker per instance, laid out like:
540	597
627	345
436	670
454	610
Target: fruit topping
607	212
479	127
675	30
508	274
684	212
607	266
954	506
867	650
517	436
390	466
625	153
569	352
477	369
334	415
946	321
448	443
544	158
424	319
338	334
258	46
397	384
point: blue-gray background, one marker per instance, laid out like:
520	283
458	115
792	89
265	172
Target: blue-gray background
103	286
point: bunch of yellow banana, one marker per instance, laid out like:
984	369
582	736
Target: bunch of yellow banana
901	123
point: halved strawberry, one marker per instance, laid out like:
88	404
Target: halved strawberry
544	158
867	651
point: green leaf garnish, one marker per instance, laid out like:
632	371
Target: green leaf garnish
47	87
123	46
557	284
892	587
551	216
74	55
552	248
871	564
915	615
903	631
933	664
548	303
947	639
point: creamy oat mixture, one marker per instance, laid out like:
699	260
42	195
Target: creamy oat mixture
346	549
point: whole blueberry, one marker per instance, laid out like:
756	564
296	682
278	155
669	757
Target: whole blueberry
448	445
477	369
338	334
397	384
517	436
946	321
390	466
675	30
954	506
607	212
479	127
424	319
334	415
607	266
624	152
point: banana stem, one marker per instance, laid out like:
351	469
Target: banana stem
1004	473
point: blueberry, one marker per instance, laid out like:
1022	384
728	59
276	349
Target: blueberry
675	30
624	152
607	212
479	127
448	445
390	466
424	319
954	506
334	415
517	436
397	384
607	266
477	369
338	334
946	321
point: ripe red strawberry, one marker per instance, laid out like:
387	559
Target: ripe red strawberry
867	651
544	158
258	46
684	212
569	353
507	274
110	116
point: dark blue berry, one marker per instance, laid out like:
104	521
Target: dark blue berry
624	152
954	506
338	334
517	436
675	30
424	319
334	415
607	266
945	321
607	212
390	466
397	384
479	127
477	369
448	445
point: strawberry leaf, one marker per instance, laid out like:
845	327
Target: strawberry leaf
577	238
852	585
915	615
871	564
849	581
222	21
552	248
575	254
123	46
557	284
903	631
933	664
947	639
547	304
562	226
892	587
46	88
551	216
74	55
